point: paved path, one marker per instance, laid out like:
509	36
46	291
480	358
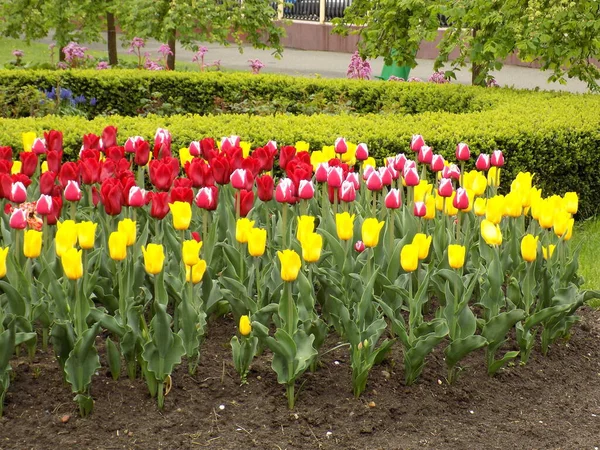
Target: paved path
334	65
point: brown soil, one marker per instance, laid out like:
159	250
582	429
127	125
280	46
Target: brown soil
552	402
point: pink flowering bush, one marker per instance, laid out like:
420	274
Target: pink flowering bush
256	65
359	68
74	54
438	78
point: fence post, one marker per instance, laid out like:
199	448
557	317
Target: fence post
321	11
280	9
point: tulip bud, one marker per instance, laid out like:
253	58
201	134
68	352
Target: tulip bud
437	163
18	192
529	247
374	182
182	215
497	159
154	258
191	252
371	229
39	146
411	176
359	246
18	219
347	192
445	188
306	190
344	223
451	171
242	179
290	264
72	264
245	326
195	148
272	146
425	155
284	193
409	257
367	172
456	256
462	152
387	175
417	142
131	144
400	162
420	209
136	197
483	162
322	172
32	245
335	177
72	191
44	205
257	241
392	199
352	177
340	146
362	152
195	273
461	199
207	198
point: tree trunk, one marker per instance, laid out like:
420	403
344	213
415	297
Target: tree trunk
171	57
111	37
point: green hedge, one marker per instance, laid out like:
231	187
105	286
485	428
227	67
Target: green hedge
125	92
556	137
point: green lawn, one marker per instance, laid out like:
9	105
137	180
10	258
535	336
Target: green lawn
587	234
37	53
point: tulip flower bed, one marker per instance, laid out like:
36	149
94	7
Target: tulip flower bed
135	244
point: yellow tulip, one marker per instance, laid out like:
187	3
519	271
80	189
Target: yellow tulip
409	257
86	234
3	254
370	161
245	326
456	255
422	191
302	146
28	139
195	272
257	241
306	225
548	250
128	227
450	209
529	247
312	245
191	252
32	246
185	156
290	264
493	177
479	206
494	209
66	237
117	245
546	214
246	147
491	233
182	215
344	223
154	257
479	184
423	242
430	208
371	229
571	202
16	167
563	222
242	228
71	263
513	206
44	166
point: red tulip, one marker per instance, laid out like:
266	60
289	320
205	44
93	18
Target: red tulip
359	246
39	146
285	155
162	173
54	159
18	219
242	179
90	170
367	172
362	152
252	165
461	199
209	150
347	192
285	191
142	152
228	143
207	198
265	187
18	192
497	159
235	156
271	146
115	153
22	178
417	142
160	204
44	205
335	177
111	194
54	215
72	191
451	171
322	172
462	152
425	155
109	137
196	236
6	182
445	187
47	181
393	199
483	162
388	174
420	209
182	194
6	154
136	197
162	143
199	173
411	176
221	169
437	163
306	190
54	141
264	158
400	162
29	161
340	145
91	142
68	171
374	182
298	170
246	200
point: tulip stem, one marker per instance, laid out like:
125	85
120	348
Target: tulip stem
121	296
462	171
284	225
73	212
391	230
204	224
335	200
257	276
374	203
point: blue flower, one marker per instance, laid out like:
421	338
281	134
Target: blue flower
79	99
66	94
93	101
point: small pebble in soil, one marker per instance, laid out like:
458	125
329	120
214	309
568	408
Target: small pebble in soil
372	405
471	411
65	418
337	363
386	374
329	433
440	382
221	407
259	378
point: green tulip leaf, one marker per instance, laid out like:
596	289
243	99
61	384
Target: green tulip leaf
83	361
